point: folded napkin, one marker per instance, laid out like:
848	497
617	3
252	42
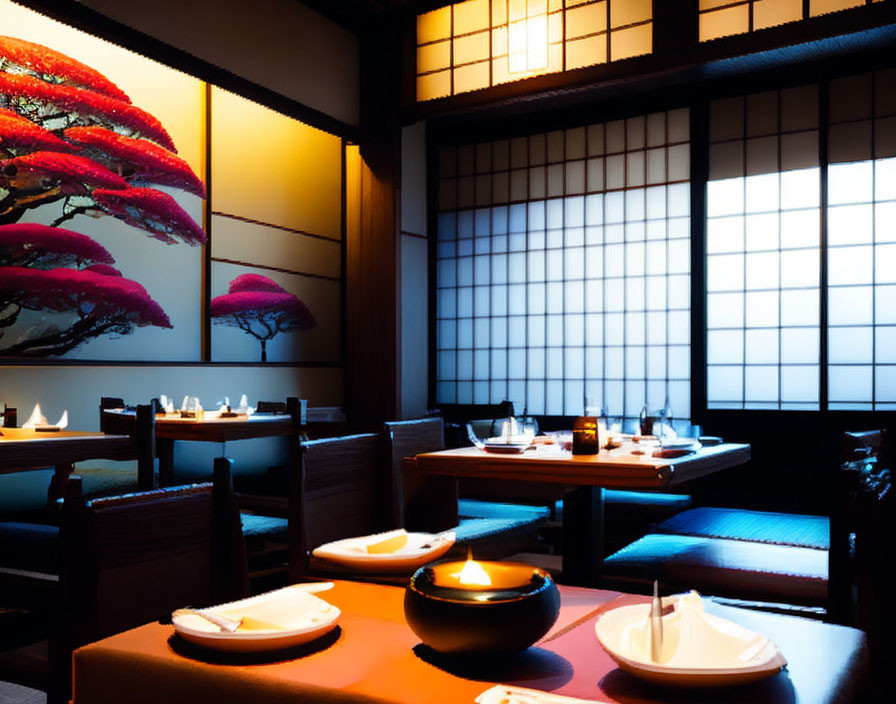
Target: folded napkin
38	420
693	638
504	694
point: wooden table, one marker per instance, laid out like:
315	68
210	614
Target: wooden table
25	449
375	657
586	476
211	428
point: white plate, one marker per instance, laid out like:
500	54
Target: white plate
609	628
420	549
295	617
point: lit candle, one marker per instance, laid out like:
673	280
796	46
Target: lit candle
476	607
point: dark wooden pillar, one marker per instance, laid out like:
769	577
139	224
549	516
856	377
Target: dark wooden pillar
372	231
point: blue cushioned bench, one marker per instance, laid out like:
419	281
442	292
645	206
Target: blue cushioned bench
738	569
797	530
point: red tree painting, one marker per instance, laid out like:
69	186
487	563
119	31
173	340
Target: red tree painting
98	301
70	136
261	308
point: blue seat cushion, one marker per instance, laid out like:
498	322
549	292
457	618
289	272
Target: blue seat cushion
29	546
481	521
272	527
731	568
797	530
474	508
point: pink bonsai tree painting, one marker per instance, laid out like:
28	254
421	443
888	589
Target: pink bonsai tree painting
260	308
96	300
71	137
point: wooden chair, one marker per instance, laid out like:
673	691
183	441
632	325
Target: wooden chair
144	437
131	559
427	504
493	529
27	547
117	562
343	487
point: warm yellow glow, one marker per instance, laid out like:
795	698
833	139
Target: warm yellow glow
527	37
473	574
722	23
631	41
822	7
274	169
500	41
769	13
434	25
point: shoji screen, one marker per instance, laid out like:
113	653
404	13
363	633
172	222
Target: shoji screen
563	268
721	18
862	242
763	251
801	279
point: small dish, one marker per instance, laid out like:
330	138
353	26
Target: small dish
758	659
283	618
373	553
507	448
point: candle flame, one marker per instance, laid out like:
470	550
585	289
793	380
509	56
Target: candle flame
473	574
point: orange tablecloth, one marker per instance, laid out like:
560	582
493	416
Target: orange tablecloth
375	657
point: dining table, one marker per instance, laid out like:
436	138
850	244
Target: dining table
584	477
214	427
373	656
29	449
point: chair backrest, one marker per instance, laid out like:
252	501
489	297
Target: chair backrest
131	559
143	429
135	558
423	503
343	489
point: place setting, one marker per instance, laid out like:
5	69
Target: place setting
396	551
676	642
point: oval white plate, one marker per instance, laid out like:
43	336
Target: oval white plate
296	617
352	552
765	663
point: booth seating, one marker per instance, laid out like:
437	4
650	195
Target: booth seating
770	560
796	530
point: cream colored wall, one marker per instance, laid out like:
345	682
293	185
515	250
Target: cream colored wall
279	44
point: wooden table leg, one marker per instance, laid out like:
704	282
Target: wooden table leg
58	482
583	536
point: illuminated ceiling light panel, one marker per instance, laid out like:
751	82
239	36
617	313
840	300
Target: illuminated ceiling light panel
527	36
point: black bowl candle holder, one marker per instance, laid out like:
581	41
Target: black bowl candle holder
515	610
